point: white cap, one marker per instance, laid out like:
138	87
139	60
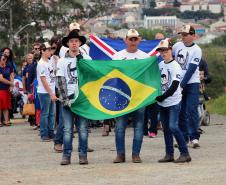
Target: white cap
46	45
164	44
187	29
73	26
132	33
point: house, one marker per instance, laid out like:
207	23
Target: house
160	21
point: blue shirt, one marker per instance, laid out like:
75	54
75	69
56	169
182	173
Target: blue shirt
31	70
5	72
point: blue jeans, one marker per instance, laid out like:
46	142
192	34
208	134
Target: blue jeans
189	117
60	127
47	116
120	127
169	117
68	133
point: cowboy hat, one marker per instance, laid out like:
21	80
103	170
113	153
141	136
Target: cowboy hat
72	35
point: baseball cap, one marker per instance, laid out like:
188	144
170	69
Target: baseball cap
187	29
74	26
45	45
164	44
132	33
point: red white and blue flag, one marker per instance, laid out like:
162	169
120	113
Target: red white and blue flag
105	48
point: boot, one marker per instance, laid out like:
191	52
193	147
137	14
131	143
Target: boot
66	160
183	159
83	160
105	130
166	159
120	158
90	150
136	158
58	148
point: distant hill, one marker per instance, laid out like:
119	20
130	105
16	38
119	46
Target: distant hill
217	106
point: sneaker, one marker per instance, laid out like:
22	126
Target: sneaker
152	134
35	127
195	143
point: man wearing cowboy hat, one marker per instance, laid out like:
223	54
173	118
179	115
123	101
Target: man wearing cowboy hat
74	26
67	79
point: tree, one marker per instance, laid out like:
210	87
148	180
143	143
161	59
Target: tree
152	4
149	34
176	3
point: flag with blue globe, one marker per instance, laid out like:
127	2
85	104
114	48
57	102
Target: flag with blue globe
108	89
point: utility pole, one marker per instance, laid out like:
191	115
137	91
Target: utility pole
10	25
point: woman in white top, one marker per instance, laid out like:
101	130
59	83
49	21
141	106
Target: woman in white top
170	103
46	93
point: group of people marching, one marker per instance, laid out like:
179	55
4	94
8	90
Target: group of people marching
49	73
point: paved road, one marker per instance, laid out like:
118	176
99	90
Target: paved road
27	161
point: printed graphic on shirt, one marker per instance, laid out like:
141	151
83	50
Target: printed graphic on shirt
51	74
72	74
182	58
165	79
196	60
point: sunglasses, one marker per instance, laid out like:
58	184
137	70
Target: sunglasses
133	39
163	50
185	34
53	48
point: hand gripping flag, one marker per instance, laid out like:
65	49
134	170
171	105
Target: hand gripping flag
105	48
114	88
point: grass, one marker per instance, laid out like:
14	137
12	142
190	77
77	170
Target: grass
217	106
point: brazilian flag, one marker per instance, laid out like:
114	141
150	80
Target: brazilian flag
108	89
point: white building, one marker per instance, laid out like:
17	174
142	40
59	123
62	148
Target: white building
119	3
160	21
212	7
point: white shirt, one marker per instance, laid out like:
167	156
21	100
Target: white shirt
125	55
45	69
170	72
185	55
66	67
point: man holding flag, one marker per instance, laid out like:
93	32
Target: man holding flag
68	90
132	41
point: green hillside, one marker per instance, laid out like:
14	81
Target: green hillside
217	106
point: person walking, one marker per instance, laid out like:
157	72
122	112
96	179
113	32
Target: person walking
188	56
169	103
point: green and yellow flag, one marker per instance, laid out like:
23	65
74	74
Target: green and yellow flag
108	89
